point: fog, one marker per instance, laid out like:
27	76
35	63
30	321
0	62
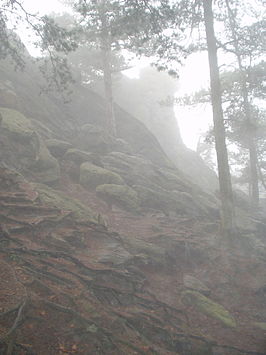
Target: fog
132	177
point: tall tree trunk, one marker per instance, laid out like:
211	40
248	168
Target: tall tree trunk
108	90
110	127
227	208
253	157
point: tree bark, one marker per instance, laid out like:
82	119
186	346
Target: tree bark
108	90
110	127
227	203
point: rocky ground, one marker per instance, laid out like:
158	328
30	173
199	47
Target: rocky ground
146	284
107	248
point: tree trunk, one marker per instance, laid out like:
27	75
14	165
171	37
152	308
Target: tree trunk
253	164
227	208
110	127
253	157
108	90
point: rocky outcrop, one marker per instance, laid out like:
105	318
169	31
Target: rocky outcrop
80	156
121	195
207	306
147	272
24	150
149	98
91	290
160	188
92	175
57	147
57	199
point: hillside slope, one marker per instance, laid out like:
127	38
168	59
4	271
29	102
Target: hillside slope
107	248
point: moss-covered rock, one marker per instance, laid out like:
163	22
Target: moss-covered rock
207	306
144	252
24	150
121	195
57	147
91	176
80	156
16	123
55	198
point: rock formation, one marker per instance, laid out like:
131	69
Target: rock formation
106	247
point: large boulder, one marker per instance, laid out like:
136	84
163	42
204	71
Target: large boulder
57	147
120	195
24	150
92	175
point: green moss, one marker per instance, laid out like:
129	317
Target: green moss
209	307
261	325
92	175
119	194
16	123
60	200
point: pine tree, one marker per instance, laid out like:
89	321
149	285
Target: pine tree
53	40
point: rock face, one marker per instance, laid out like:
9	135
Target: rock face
92	175
91	138
23	148
194	284
57	148
207	306
146	99
159	188
116	293
121	195
56	199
